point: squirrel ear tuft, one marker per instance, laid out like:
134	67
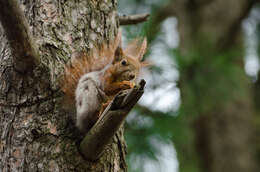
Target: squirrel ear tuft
142	50
136	48
118	40
117	47
118	54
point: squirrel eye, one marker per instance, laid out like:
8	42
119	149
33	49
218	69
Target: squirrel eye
124	62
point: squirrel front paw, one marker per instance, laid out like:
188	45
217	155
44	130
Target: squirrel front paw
127	84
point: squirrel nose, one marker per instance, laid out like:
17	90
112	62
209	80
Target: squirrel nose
132	76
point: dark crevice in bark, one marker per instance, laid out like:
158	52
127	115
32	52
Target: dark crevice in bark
122	150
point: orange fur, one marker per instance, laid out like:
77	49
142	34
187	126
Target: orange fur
117	77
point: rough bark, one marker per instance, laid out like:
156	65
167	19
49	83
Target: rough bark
222	131
37	134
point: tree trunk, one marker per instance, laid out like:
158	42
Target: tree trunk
37	134
256	94
210	36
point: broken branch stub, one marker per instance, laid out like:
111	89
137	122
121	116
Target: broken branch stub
133	19
111	119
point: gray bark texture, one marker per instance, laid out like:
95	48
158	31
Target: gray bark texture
36	133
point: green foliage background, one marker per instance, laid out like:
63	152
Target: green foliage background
209	77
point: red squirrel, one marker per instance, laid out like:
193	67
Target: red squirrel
92	80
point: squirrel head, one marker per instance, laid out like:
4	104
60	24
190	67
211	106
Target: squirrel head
128	62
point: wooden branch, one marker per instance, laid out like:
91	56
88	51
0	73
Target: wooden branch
133	19
18	35
105	128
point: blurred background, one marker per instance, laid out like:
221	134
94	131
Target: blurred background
201	108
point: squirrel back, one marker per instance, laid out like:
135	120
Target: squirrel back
122	67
